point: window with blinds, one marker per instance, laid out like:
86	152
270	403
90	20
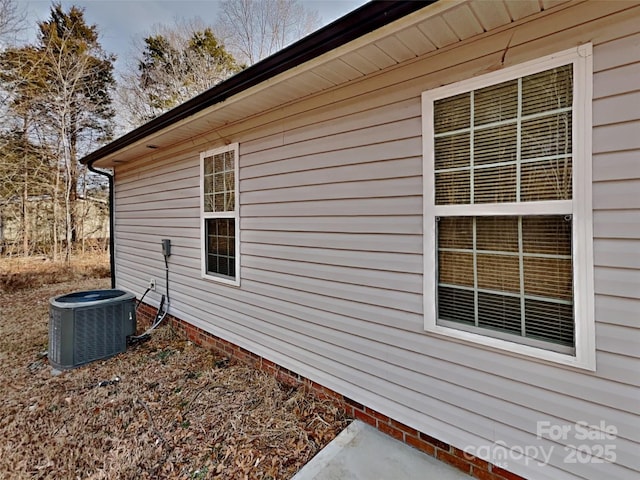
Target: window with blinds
219	214
500	206
506	143
507	274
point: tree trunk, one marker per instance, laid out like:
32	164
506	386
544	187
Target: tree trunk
25	193
25	215
73	176
68	217
1	232
81	224
68	183
56	213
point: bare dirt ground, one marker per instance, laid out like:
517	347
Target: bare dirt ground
163	409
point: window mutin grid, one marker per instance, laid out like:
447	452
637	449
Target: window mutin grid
574	187
219	182
512	148
493	273
221	239
220	214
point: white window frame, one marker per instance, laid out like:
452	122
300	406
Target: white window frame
580	207
235	214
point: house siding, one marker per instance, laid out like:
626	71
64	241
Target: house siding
331	252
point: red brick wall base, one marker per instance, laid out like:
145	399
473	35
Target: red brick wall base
473	466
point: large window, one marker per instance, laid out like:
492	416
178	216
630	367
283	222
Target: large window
508	209
219	213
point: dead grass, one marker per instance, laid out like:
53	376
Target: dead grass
164	409
18	273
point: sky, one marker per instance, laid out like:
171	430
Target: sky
120	22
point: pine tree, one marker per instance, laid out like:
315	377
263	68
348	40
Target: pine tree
175	65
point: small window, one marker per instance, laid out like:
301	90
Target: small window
219	212
507	178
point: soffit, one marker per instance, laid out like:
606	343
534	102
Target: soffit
437	26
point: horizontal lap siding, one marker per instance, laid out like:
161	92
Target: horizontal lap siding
616	174
331	245
616	164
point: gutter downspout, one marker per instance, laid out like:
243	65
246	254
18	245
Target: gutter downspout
112	222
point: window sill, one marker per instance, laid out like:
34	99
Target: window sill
584	362
224	281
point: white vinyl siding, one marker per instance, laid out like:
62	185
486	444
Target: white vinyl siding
508	152
332	250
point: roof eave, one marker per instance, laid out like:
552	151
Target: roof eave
361	21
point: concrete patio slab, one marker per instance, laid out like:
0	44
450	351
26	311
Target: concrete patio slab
360	452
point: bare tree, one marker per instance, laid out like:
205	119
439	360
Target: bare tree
254	29
77	113
25	177
12	22
60	102
12	19
21	162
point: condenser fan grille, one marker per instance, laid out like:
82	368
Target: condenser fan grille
95	336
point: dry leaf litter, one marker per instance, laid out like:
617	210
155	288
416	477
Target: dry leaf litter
163	409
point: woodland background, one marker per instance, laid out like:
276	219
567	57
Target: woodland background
61	98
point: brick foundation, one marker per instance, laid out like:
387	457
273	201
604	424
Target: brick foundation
473	466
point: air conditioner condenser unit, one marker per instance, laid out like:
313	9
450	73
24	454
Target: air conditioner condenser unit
89	325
